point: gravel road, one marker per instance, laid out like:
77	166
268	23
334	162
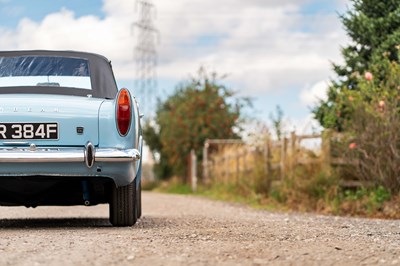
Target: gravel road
184	230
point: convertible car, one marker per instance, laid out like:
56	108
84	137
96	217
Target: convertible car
68	136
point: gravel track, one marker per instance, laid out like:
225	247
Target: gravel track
182	230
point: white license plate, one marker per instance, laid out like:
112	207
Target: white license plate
44	131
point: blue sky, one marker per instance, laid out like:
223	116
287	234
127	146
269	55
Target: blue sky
13	10
275	51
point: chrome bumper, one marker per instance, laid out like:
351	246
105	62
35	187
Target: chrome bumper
89	155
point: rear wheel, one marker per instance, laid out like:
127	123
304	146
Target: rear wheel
139	199
138	182
123	211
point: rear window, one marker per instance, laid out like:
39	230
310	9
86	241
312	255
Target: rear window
45	71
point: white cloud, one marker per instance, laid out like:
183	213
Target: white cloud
63	31
119	7
263	48
343	5
312	95
306	125
263	45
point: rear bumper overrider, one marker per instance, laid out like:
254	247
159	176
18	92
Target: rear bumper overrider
89	155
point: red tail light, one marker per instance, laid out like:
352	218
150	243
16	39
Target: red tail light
123	112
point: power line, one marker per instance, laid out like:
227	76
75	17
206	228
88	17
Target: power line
145	55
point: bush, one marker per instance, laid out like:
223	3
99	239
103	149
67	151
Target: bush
363	201
374	129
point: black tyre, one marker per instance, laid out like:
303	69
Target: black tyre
139	200
138	181
123	205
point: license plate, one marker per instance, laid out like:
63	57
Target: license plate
44	131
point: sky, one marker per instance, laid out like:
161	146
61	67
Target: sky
278	52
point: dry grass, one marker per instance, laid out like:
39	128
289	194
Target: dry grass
308	187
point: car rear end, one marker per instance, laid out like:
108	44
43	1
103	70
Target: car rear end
62	145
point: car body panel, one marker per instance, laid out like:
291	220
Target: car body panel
121	173
49	172
25	108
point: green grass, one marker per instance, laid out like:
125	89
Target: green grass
177	189
360	202
227	193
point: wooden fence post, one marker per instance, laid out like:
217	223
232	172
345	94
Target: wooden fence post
245	166
193	170
283	157
227	169
237	165
326	150
218	170
293	153
267	156
205	163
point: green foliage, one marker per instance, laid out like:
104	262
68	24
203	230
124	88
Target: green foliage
161	169
309	190
374	126
320	192
321	186
374	27
276	194
364	201
354	195
380	195
200	108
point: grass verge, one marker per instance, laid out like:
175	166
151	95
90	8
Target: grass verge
320	195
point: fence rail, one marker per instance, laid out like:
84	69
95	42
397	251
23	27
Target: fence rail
226	160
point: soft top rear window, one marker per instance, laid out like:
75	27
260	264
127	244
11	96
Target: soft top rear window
47	71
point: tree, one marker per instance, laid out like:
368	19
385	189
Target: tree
200	108
374	28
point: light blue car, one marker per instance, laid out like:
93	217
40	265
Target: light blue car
67	135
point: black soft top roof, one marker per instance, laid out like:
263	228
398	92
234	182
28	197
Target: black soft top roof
101	75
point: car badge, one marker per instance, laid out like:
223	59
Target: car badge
79	130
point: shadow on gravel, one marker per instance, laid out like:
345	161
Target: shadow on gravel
54	223
146	222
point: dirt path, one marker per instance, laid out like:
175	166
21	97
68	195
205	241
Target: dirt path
181	230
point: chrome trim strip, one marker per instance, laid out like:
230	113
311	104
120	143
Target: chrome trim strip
65	155
41	155
114	155
15	143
